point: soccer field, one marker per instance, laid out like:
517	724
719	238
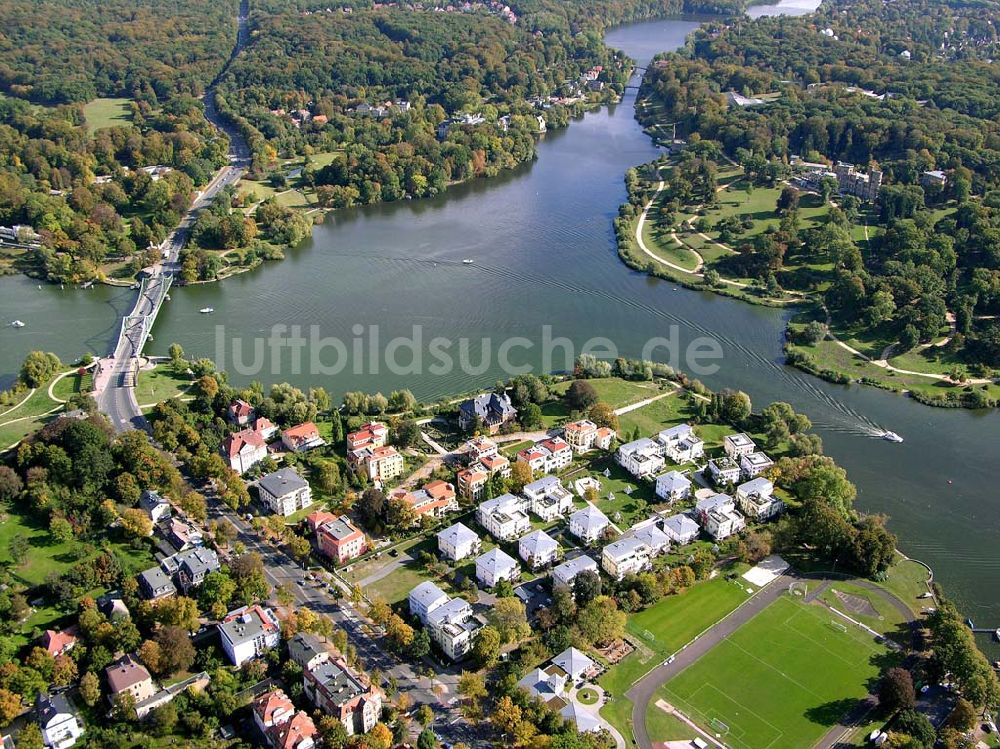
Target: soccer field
780	681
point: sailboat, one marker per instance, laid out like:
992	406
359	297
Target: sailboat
17	324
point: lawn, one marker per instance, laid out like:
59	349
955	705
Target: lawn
672	622
663	726
27	418
101	113
866	607
160	384
907	579
781	680
655	417
631	507
614	391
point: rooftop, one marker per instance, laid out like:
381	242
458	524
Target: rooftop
282	482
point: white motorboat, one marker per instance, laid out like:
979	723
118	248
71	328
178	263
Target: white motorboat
468	261
17	324
207	310
891	437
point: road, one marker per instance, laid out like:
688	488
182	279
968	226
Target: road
114	382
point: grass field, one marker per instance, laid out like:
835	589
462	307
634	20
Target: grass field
160	384
866	607
782	680
663	726
101	113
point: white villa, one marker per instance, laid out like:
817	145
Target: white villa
756	499
643	457
547	456
496	565
680	529
548	498
453	627
425	597
588	524
576	664
673	486
564	574
737	445
285	492
753	465
458	542
538	549
650	534
681	444
626	556
723	471
719	516
504	517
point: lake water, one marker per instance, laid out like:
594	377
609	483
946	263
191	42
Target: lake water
544	254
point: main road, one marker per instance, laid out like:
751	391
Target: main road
115	380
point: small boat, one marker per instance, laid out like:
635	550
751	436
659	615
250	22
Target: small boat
468	261
969	623
996	634
928	594
17	324
891	437
207	310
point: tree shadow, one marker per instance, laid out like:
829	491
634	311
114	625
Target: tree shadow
829	713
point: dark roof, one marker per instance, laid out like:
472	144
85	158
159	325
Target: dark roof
280	483
487	406
48	706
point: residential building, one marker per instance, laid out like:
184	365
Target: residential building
585	722
649	533
472	481
155	506
538	549
299	732
490	410
673	486
315	519
128	676
191	566
534	457
576	664
933	178
435	500
182	534
547	684
424	598
756	499
504	517
496	565
548	498
307	650
271	709
479	448
458	542
240	413
753	465
643	457
60	642
379	464
852	181
719	516
372	434
243	450
681	529
737	445
548	456
496	464
723	471
626	556
57	721
341	540
586	435
453	627
336	689
265	428
155	584
285	492
248	632
302	437
564	574
588	524
681	444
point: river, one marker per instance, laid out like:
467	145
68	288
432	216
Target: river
544	254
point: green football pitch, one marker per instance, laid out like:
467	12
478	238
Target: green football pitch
781	680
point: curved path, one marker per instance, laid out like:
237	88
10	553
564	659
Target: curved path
14	408
642	691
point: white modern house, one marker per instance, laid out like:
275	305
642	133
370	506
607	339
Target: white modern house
248	632
588	524
642	457
738	445
284	492
155	506
564	574
719	516
496	565
723	471
576	664
626	556
504	517
548	498
57	721
680	529
673	486
681	444
453	627
753	465
648	531
756	499
538	549
424	598
457	542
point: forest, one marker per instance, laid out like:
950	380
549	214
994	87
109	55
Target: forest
901	88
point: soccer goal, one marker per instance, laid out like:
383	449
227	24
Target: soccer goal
838	626
720	728
648	635
799	588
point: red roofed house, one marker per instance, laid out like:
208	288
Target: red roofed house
548	456
272	709
59	643
240	413
380	464
315	519
472	481
340	540
297	733
336	689
265	427
243	450
435	500
373	434
302	437
495	464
